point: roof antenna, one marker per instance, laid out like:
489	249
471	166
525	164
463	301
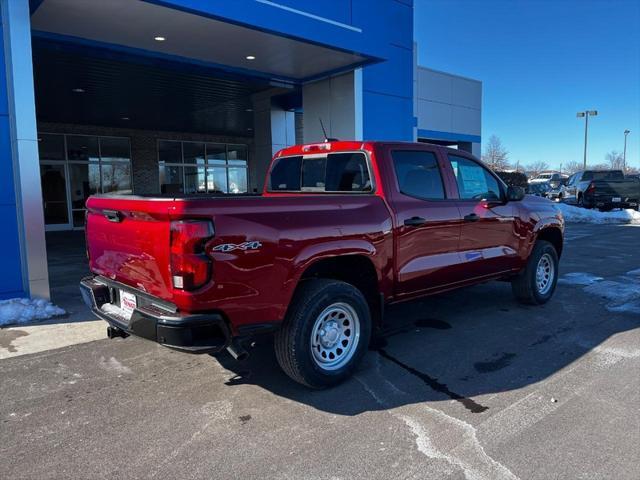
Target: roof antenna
326	138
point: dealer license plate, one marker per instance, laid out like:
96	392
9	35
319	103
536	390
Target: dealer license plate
128	303
616	199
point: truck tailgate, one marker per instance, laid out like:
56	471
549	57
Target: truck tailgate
128	241
628	188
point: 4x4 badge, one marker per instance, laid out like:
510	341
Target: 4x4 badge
230	247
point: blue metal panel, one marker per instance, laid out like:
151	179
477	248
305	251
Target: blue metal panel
388	86
11	277
7	191
392	77
387	117
337	10
4	107
448	136
392	21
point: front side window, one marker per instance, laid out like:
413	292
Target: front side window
474	181
418	174
335	173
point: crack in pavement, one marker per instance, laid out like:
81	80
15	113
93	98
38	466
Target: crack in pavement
437	435
434	384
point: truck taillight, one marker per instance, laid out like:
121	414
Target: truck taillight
190	265
590	189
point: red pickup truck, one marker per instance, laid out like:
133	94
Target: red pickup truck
341	229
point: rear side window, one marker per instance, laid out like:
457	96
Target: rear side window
474	181
335	172
418	174
347	172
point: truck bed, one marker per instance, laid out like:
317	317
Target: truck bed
129	241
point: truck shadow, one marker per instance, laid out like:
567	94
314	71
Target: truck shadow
457	346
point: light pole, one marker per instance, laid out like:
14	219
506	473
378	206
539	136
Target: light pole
624	152
586	114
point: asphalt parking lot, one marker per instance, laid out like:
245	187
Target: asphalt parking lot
473	386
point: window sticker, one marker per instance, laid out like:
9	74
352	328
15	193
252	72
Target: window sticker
474	181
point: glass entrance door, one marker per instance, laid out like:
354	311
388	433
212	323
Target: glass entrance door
53	177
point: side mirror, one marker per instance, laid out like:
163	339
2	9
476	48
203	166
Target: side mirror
515	194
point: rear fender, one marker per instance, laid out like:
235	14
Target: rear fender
325	250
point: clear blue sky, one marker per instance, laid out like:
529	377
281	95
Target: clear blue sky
541	61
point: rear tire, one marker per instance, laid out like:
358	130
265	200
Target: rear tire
537	282
325	333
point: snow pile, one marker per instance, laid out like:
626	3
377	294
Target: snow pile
579	278
24	310
583	215
622	295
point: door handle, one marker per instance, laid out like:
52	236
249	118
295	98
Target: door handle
415	221
112	215
472	217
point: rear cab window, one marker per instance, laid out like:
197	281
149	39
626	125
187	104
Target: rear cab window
603	175
339	172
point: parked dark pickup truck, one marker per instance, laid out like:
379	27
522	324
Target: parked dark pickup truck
602	189
341	230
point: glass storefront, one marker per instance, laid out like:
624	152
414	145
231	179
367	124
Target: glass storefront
73	167
202	167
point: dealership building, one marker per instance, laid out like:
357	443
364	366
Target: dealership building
188	96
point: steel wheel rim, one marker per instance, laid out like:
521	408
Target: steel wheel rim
545	272
335	336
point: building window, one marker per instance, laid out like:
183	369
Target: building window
86	165
202	167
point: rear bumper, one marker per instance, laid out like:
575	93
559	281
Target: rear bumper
155	319
608	203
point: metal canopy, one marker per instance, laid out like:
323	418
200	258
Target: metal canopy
136	25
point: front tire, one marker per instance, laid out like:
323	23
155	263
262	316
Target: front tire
537	282
325	333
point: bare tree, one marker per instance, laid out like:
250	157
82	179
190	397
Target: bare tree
600	166
572	167
536	168
495	155
614	159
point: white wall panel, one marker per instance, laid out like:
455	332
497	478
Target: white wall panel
434	86
466	93
338	101
434	116
465	120
448	103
